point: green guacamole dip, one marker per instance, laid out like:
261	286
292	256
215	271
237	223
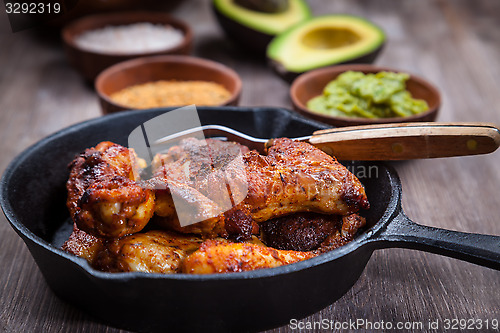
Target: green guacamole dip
354	94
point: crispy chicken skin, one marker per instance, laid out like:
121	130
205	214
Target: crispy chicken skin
103	197
297	177
150	252
225	257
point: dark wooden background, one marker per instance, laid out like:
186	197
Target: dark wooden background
455	44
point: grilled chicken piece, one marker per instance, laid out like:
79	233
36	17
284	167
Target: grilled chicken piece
194	205
196	159
226	257
297	177
194	174
104	198
150	252
228	195
82	244
293	177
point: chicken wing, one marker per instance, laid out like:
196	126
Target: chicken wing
225	257
104	198
150	252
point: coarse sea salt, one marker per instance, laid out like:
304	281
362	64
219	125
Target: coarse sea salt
132	38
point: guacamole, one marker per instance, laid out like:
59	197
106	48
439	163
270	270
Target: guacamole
354	94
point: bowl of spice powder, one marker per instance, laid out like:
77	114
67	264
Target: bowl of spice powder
167	81
96	42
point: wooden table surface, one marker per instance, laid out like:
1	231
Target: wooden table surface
454	44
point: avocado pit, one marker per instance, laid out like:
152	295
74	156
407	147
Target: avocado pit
330	38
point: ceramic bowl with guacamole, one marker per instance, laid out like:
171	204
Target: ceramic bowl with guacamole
364	94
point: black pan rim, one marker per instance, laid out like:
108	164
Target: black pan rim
361	240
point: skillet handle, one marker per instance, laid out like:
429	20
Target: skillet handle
478	249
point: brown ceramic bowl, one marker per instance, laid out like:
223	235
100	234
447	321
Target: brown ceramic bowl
311	84
91	63
170	67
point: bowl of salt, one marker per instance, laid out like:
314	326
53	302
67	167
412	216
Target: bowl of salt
96	42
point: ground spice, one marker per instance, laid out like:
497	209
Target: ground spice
171	93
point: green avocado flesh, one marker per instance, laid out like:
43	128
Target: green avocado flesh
354	94
267	23
324	41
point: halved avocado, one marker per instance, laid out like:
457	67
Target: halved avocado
324	41
254	29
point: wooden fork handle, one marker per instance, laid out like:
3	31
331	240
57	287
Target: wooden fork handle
405	141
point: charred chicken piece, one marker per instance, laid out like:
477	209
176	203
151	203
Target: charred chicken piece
299	232
104	198
150	252
350	226
83	245
226	257
310	231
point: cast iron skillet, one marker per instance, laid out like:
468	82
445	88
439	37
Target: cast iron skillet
33	199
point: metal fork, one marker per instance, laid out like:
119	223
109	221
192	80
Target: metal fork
401	141
223	132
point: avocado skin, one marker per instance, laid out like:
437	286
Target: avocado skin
289	76
249	39
265	6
